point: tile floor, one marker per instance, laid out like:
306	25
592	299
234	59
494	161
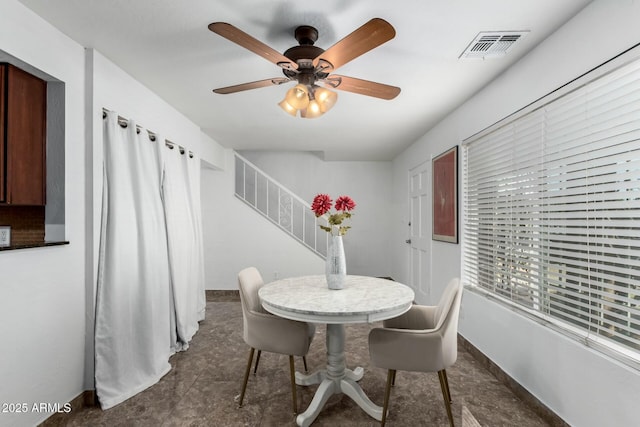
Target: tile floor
205	379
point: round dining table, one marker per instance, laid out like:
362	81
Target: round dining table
362	300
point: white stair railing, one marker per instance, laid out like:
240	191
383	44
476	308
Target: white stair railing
279	205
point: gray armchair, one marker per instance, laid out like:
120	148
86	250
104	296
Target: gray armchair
424	339
265	332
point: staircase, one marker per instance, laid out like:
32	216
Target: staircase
279	205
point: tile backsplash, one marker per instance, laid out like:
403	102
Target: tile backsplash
27	223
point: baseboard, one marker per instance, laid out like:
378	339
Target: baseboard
222	295
522	393
90	398
84	399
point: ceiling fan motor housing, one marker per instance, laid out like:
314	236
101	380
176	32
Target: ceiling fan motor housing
303	55
306	35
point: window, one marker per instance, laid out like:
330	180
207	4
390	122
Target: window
552	211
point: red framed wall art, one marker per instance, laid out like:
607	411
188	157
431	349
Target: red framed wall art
445	196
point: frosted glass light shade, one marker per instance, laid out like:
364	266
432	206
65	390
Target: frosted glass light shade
288	108
326	98
312	111
298	97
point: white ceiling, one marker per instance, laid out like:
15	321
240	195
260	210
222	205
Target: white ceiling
166	45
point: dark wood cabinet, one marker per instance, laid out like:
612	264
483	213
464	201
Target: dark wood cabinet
23	109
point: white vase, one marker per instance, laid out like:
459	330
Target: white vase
336	266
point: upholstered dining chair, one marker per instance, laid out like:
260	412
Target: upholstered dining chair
424	339
266	332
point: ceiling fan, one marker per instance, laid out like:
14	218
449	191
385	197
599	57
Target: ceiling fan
309	65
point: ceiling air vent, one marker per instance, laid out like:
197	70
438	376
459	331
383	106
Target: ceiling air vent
492	44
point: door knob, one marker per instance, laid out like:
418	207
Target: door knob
408	241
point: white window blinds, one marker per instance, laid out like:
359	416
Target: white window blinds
552	211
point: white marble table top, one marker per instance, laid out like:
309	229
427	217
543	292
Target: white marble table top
363	299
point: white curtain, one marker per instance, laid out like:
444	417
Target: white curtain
181	196
150	294
132	334
193	172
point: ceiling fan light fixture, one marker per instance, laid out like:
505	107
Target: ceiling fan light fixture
310	100
307	64
298	97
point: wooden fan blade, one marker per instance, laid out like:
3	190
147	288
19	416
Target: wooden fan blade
362	87
243	39
252	85
370	35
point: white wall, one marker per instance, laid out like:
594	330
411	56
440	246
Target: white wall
236	236
367	183
42	322
116	90
583	387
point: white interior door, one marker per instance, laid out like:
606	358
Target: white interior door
419	225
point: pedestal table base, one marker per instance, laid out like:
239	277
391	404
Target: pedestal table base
335	379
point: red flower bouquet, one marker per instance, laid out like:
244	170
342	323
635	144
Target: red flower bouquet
344	205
